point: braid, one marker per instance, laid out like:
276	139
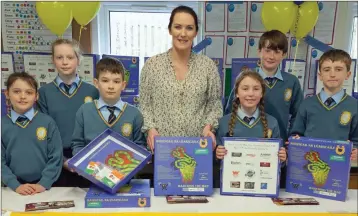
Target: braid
263	117
235	107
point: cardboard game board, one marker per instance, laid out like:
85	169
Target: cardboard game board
135	194
183	166
110	160
318	167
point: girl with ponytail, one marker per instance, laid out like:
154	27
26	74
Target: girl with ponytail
248	118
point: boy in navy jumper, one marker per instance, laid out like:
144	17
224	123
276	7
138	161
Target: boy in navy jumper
63	97
31	146
109	111
332	113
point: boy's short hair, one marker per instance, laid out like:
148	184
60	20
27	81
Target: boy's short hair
276	41
336	55
111	65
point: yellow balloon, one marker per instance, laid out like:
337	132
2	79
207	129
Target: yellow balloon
305	19
277	15
56	16
84	12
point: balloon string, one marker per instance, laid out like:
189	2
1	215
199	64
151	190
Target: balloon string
294	60
84	28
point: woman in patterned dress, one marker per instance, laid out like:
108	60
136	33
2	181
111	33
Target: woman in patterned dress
180	91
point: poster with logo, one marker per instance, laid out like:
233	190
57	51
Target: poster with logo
243	64
318	167
131	74
251	167
183	166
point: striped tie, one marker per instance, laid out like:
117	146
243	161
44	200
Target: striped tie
270	80
22	120
248	119
112	116
329	102
67	88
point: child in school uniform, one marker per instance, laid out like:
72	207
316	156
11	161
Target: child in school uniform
109	111
332	113
283	91
62	98
31	146
248	117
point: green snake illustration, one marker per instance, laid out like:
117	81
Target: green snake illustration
184	163
318	168
123	161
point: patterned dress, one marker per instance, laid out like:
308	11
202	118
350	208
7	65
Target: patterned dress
180	107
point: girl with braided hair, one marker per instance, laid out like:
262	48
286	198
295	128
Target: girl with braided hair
248	118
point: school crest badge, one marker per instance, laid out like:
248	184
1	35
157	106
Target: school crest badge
134	60
41	133
126	129
340	150
88	99
288	94
345	118
203	143
142	202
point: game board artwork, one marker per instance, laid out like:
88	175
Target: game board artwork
123	161
318	168
184	163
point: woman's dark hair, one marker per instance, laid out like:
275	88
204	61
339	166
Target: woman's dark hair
184	9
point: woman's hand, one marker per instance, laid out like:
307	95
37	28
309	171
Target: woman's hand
150	139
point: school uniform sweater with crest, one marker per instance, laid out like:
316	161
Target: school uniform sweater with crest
90	123
30	152
242	129
282	101
63	107
338	122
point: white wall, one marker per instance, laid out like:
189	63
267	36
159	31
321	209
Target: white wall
344	25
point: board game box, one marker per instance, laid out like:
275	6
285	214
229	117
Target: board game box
110	160
183	166
135	194
131	99
131	75
318	167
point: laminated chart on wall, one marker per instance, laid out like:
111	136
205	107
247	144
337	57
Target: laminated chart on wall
253	46
255	17
235	48
7	67
41	67
295	67
301	48
324	29
87	67
237	17
216	47
310	80
22	31
348	84
214	17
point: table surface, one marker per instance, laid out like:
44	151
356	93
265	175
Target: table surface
12	201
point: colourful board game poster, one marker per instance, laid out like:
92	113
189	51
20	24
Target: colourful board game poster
318	167
183	166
